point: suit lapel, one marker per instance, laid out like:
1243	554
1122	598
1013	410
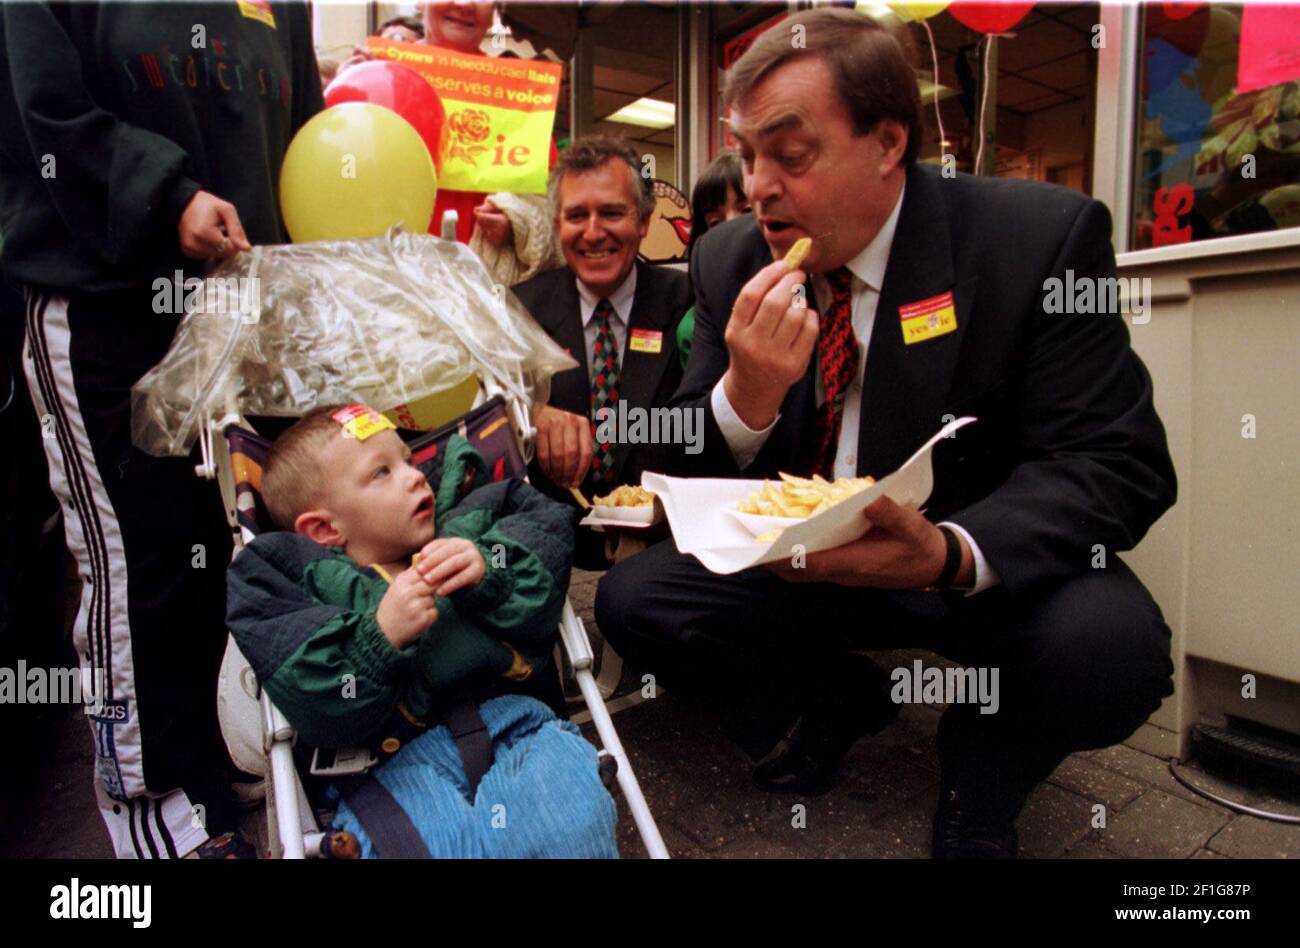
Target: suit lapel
570	390
906	386
642	372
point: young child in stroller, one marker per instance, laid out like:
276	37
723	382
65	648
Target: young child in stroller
396	598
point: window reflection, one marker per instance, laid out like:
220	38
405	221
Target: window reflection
1211	162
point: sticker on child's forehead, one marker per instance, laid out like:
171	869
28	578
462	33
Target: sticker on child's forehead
361	422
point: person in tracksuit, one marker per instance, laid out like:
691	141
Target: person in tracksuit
140	140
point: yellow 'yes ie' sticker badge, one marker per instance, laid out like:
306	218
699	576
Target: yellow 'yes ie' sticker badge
925	319
362	422
646	340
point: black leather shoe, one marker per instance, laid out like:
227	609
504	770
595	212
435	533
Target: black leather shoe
807	760
982	789
965	832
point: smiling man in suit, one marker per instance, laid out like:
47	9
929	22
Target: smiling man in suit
613	313
923	299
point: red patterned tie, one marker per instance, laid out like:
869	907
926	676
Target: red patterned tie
837	362
604	392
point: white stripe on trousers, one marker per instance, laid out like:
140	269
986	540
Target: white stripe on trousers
140	825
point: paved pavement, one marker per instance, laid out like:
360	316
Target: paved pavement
697	784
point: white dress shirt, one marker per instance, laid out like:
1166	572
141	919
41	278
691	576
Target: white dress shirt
619	320
868	269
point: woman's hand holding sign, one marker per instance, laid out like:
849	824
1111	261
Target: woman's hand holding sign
494	225
770	336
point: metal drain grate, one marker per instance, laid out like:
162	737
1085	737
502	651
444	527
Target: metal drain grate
1236	745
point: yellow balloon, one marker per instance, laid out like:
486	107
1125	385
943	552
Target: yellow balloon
434	411
355	170
916	10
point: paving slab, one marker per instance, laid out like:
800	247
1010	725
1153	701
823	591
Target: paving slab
1089	848
1095	783
755	846
901	834
914	732
1154	772
1052	820
630	845
1248	837
1154	740
871	794
1161	825
725	818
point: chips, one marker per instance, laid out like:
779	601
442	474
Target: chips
798	253
801	496
626	495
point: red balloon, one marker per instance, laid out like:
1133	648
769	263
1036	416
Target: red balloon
1180	11
398	89
1183	26
989	17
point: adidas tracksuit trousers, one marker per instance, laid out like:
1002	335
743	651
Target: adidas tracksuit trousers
152	545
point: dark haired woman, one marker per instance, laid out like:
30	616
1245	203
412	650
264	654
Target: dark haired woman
718	196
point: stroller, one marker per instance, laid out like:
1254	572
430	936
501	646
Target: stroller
201	391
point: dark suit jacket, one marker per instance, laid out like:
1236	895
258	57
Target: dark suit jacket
1068	451
646	379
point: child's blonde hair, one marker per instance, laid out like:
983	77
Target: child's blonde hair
291	477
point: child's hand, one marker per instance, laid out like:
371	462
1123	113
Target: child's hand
407	609
448	565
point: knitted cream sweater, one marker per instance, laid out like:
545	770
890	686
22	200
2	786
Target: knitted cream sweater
535	245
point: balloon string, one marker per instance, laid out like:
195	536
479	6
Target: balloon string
984	104
938	118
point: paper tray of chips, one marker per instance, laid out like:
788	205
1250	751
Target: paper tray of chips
624	518
697	511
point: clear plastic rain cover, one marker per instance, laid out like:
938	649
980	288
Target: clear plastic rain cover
384	321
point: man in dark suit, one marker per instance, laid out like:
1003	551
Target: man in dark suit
616	315
925	300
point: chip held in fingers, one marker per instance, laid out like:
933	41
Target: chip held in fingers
798	253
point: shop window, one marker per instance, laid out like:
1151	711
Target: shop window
632	75
1041	97
1041	90
733	27
1214	160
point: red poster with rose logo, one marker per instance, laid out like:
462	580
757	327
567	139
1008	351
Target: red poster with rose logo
500	113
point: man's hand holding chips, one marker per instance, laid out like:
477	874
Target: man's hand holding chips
902	550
